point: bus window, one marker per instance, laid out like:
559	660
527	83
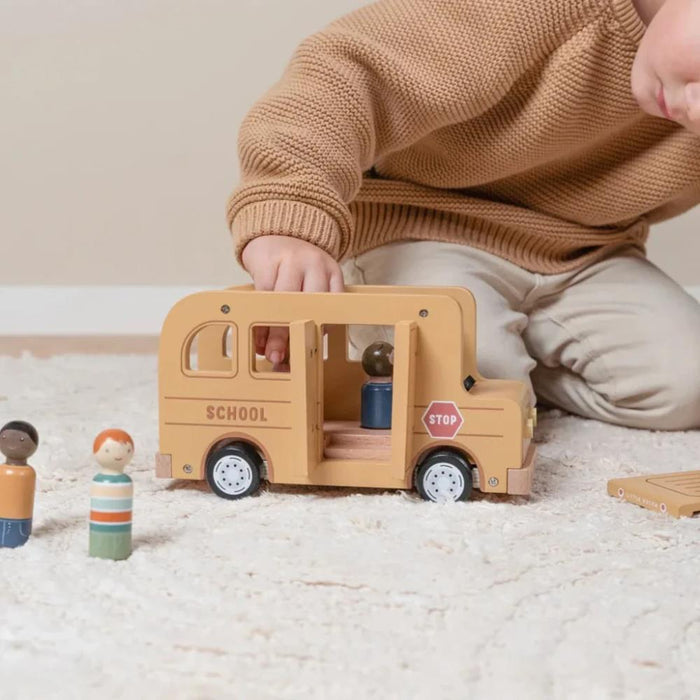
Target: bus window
211	351
260	365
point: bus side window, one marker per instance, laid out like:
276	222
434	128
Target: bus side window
211	350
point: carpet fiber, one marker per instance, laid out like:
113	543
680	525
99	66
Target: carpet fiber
331	593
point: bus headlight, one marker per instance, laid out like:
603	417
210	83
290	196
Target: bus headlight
530	427
533	416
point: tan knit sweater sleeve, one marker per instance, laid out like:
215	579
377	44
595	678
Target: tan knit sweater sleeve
372	83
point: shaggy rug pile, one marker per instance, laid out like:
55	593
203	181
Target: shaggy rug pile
332	593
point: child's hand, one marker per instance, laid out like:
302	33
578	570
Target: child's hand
287	264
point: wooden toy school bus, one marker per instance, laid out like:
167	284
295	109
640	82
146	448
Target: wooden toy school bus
226	417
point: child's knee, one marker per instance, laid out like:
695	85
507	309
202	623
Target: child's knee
670	399
682	405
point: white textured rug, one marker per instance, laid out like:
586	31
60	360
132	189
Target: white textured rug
340	594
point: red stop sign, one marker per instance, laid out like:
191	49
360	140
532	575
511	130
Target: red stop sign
442	419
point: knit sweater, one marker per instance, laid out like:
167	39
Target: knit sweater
507	125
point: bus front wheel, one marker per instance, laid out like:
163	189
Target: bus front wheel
444	476
234	471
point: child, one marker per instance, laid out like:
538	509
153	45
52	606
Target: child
497	145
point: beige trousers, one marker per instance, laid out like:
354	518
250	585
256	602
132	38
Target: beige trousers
618	341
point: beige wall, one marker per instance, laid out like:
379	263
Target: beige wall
119	121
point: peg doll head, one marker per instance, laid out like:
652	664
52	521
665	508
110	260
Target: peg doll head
113	450
378	359
18	441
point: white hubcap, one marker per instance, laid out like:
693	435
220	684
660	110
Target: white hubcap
443	482
233	475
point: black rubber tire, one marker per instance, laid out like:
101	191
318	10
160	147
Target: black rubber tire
454	459
240	450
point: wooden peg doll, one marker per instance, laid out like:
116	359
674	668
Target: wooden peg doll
377	391
111	496
18	442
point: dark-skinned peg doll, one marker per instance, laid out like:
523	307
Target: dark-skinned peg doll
18	441
377	391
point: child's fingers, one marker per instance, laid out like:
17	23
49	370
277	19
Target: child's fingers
323	278
336	281
290	277
277	342
315	280
299	267
264	276
261	334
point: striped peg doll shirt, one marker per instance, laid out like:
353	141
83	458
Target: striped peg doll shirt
111	505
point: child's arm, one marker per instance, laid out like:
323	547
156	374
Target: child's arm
371	84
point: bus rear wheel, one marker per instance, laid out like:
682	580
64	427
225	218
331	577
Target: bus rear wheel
234	471
444	476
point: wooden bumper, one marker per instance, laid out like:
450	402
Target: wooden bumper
520	480
164	466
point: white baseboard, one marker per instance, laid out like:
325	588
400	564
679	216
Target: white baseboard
96	310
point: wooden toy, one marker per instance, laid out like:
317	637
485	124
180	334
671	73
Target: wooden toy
375	405
18	442
226	417
676	494
111	496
